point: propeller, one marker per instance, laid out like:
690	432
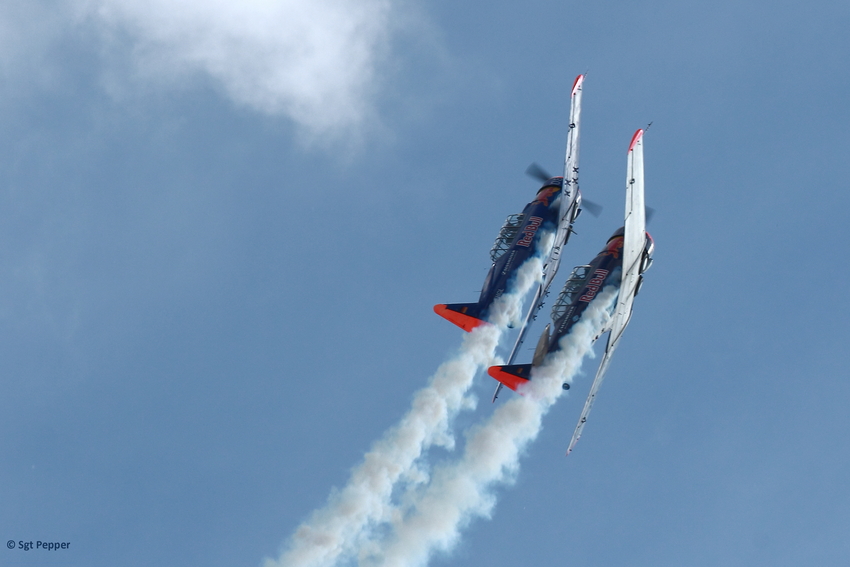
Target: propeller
649	212
591	207
536	171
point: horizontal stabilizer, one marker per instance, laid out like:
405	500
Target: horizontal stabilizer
512	376
464	315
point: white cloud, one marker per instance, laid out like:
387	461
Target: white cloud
316	62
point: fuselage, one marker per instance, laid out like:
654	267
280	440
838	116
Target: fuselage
519	240
539	218
584	283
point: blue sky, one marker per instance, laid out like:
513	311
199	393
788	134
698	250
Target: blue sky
219	254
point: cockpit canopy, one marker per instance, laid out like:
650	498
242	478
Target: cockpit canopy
506	236
575	284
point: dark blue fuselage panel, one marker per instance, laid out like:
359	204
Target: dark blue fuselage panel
540	217
605	269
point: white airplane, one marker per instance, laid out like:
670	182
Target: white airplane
638	247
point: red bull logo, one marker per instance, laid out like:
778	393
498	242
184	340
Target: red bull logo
594	285
529	231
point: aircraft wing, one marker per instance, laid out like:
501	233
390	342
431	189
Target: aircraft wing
569	188
634	241
597	382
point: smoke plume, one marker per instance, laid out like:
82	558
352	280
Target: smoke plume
337	531
458	492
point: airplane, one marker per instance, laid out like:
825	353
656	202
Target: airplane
554	209
626	256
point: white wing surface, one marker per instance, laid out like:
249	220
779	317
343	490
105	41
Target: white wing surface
597	382
569	187
634	241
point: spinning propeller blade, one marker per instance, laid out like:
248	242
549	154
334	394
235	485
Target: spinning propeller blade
594	209
534	170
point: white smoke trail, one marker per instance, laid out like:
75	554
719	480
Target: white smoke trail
336	531
461	491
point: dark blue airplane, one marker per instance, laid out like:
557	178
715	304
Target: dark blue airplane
554	209
519	240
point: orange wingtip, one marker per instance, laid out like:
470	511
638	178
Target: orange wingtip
635	138
512	381
462	320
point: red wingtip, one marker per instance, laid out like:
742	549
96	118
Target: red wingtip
462	320
512	381
577	84
635	138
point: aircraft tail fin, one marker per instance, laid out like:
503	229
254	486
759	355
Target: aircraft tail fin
467	316
512	375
